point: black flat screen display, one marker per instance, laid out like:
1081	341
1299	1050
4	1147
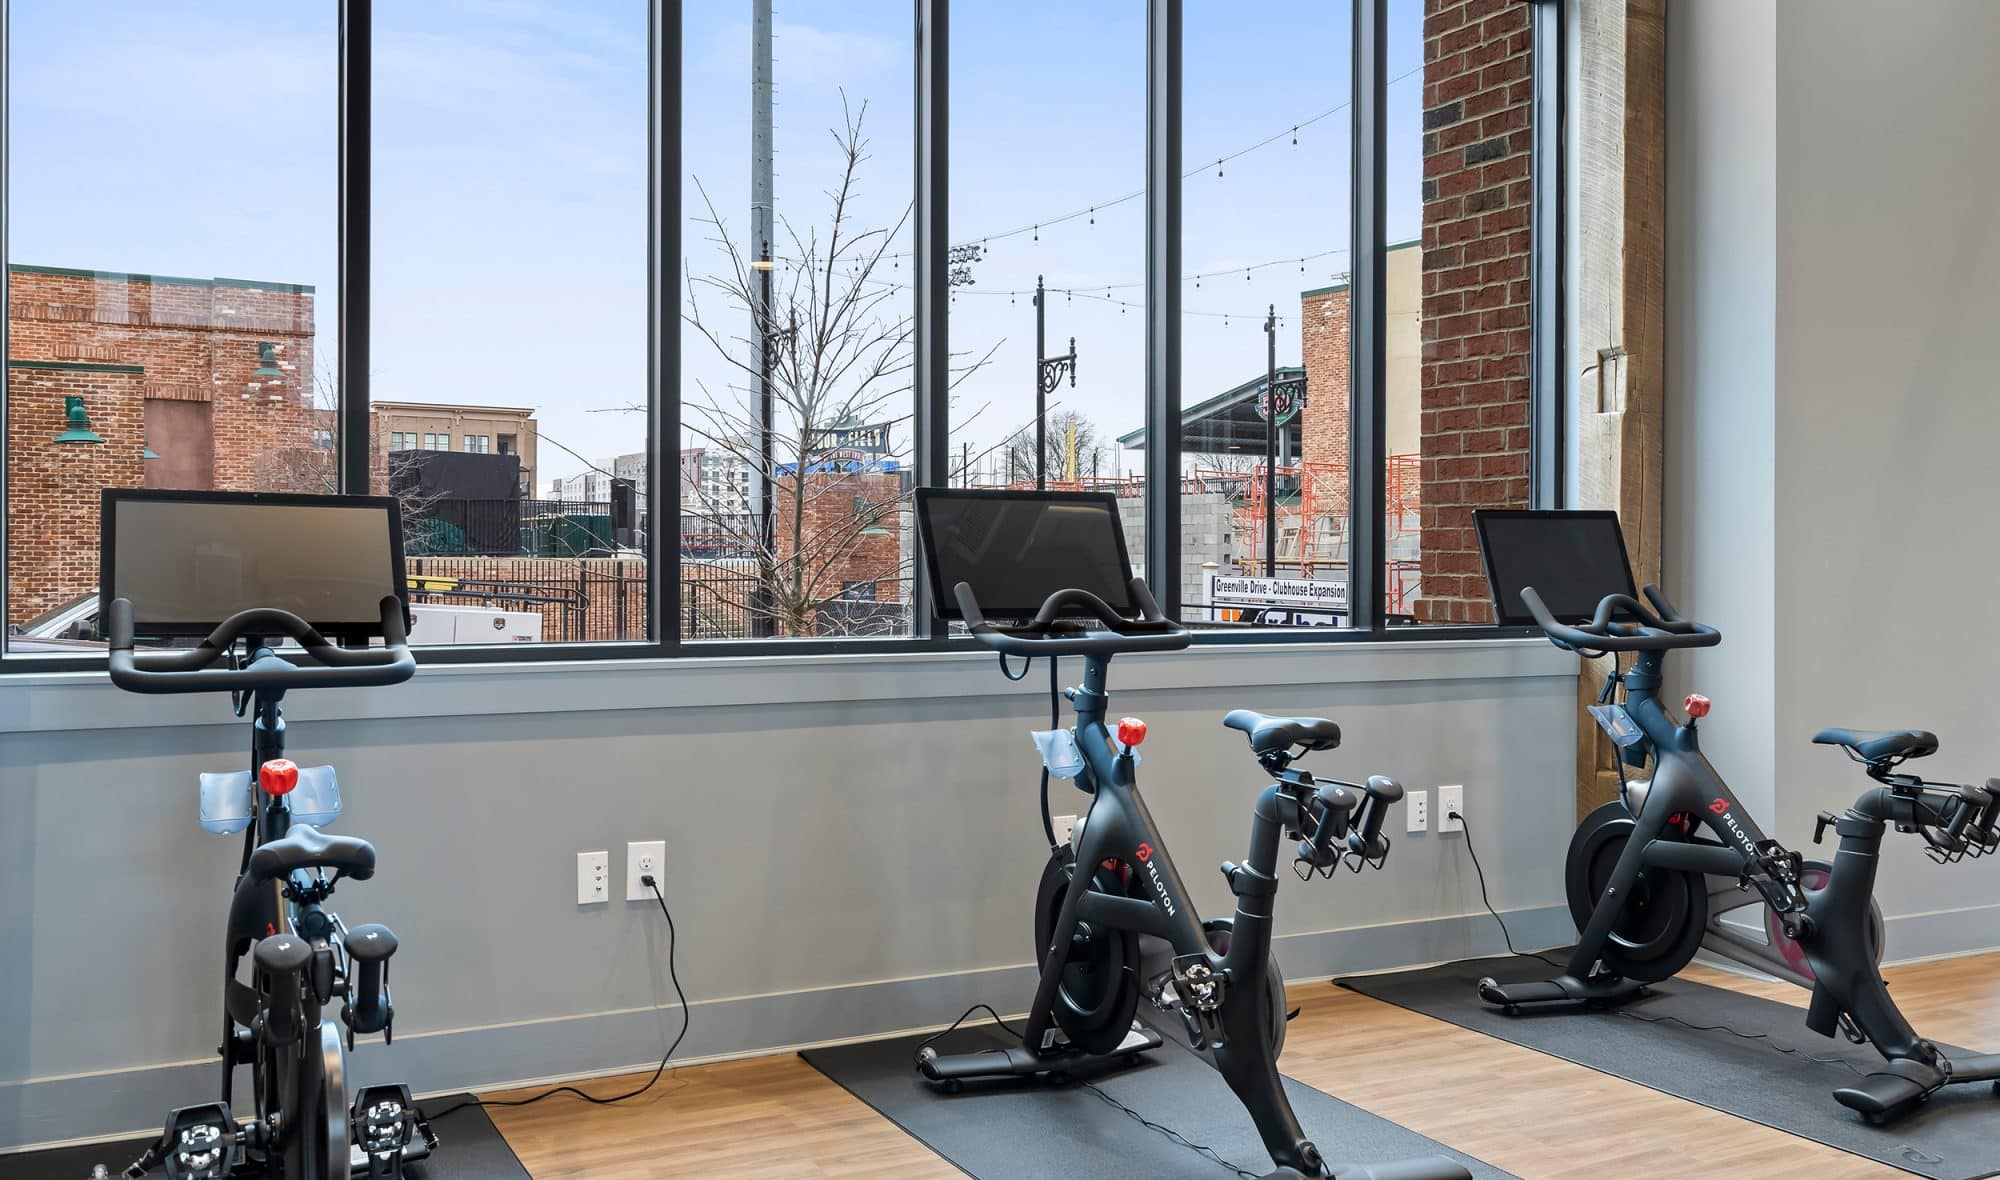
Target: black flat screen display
1016	548
1572	559
189	560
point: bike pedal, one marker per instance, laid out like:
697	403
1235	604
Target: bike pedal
199	1143
384	1122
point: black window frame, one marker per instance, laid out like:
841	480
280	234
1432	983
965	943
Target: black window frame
930	30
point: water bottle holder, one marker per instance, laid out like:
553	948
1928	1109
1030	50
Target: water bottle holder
229	800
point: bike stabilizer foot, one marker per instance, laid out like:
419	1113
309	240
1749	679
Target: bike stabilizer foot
951	1070
1900	1086
1562	989
1430	1167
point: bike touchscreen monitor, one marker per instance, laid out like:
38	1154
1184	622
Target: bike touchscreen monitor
1571	559
189	560
1015	549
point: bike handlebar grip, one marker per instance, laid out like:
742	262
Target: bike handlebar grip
1602	633
1044	636
283	958
196	670
1658	598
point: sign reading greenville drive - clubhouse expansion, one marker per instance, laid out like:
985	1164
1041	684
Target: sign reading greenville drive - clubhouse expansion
1277	602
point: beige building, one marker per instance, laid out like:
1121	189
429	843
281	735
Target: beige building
476	430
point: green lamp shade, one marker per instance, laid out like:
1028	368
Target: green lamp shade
267	369
150	454
79	422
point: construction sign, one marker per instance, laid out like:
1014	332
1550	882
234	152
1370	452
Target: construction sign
1277	602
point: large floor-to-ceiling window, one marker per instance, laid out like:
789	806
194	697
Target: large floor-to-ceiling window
652	315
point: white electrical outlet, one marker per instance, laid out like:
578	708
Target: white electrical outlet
1418	813
644	858
1451	800
1064	825
593	877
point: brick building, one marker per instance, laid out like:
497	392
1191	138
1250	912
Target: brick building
135	380
465	429
1478	136
1457	321
852	543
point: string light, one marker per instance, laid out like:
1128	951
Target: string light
1090	210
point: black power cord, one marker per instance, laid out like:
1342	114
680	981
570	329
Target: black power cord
1621	1011
1487	901
673	940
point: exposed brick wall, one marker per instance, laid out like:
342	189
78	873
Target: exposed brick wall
52	489
1323	424
185	340
835	554
1478	86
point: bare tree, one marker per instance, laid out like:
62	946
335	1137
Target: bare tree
311	464
837	361
1075	452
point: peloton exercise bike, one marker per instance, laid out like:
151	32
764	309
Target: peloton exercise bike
1113	920
273	584
1652	875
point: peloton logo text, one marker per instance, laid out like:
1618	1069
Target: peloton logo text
1145	855
1721	808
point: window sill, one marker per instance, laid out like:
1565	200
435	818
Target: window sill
57	701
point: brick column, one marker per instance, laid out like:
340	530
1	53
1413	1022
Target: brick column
1478	86
1323	424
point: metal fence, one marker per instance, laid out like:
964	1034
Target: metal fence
581	600
453	527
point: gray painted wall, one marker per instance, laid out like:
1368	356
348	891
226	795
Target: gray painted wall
1720	519
1833	279
1888	412
853	858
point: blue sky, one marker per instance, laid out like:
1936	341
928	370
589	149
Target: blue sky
510	176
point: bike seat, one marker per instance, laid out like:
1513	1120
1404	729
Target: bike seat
306	847
1874	745
1271	734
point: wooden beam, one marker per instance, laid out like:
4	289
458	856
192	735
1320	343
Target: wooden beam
1618	349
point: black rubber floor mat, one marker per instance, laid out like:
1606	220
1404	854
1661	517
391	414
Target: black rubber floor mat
1740	1054
470	1147
1007	1130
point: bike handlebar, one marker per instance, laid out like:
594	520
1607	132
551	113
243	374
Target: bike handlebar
1048	633
1649	631
199	669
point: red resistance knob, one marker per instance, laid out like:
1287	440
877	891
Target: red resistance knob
278	776
1131	731
1697	705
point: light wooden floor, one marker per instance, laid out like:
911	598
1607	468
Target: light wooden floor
1515	1108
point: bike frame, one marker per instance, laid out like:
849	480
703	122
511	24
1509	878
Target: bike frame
296	1079
1844	978
1684	783
1119	827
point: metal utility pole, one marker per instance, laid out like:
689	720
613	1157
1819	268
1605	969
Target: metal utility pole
1281	401
1048	375
1271	443
761	228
